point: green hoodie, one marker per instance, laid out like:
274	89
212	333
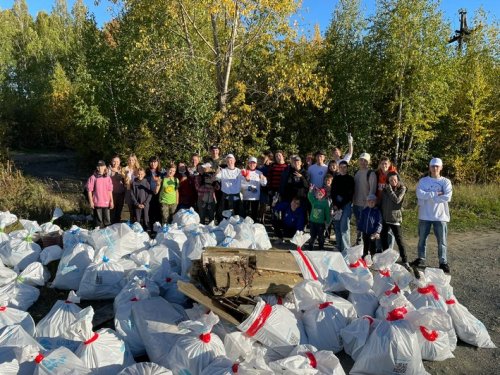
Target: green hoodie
320	211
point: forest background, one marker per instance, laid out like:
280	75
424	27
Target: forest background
172	77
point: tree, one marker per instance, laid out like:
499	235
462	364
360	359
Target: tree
407	41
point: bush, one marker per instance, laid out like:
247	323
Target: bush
30	198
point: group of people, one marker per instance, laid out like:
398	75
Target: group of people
297	194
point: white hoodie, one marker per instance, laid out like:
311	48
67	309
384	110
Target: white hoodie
431	206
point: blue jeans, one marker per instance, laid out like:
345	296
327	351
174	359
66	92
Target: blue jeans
342	230
441	233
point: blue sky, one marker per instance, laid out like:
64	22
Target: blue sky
312	12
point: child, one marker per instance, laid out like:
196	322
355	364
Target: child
392	201
251	181
370	224
320	216
169	194
327	185
100	195
204	184
141	197
288	218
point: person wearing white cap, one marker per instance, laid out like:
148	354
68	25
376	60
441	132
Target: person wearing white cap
230	184
251	181
433	193
365	183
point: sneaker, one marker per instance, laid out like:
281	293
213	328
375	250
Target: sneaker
419	262
444	267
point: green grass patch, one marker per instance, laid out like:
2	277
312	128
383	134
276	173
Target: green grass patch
471	207
30	198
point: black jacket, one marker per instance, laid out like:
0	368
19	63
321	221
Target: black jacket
141	192
342	190
291	186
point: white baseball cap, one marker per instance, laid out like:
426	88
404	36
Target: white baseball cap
252	159
365	156
228	156
436	161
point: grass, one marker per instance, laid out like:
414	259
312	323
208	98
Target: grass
30	198
472	207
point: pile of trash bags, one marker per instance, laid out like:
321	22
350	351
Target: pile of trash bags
385	318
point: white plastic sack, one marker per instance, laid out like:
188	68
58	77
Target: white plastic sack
10	316
111	238
6	219
20	252
274	326
169	289
145	368
136	290
355	335
102	351
261	238
392	348
426	295
34	274
173	238
60	361
50	226
469	329
186	217
193	248
393	306
135	240
19	295
18	348
102	279
306	359
156	321
74	236
7	275
50	330
72	265
195	350
51	253
432	325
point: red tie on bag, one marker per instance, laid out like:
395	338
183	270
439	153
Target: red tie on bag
307	263
324	305
92	339
397	314
450	301
205	337
385	273
39	358
312	359
394	290
428	334
260	321
429	289
359	263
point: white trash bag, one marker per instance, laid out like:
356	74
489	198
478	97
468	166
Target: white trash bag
392	348
432	326
51	253
102	351
74	236
72	265
6	219
34	274
468	328
10	316
7	275
361	296
60	361
274	326
306	359
321	318
103	279
393	303
19	294
186	217
145	368
18	349
50	330
50	227
426	294
261	238
20	252
194	247
355	335
195	350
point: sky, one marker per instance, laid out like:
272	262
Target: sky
312	11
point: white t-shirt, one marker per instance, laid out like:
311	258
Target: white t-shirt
347	157
230	180
317	174
431	206
251	189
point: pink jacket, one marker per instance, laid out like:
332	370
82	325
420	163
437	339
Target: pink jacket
100	187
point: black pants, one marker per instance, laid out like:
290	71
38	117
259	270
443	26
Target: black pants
144	214
317	231
231	202
102	217
154	211
397	231
281	230
251	208
116	212
369	245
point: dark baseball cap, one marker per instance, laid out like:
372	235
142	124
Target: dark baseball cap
320	152
214	147
101	163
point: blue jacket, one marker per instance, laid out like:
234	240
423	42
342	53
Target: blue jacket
370	220
291	219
